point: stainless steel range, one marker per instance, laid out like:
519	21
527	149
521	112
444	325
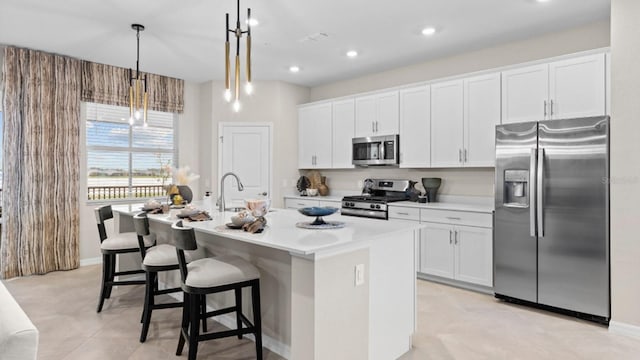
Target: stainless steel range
376	194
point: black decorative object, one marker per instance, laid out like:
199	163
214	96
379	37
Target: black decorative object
431	186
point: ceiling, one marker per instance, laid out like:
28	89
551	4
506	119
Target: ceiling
185	39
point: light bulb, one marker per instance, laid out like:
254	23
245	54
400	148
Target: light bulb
227	95
248	88
236	106
137	115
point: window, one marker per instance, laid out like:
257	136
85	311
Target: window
124	161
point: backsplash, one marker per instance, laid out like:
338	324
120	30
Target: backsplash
462	182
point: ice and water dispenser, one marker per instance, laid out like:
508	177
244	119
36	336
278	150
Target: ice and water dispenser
516	188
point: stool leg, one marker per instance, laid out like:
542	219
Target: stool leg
194	324
148	304
105	278
112	271
257	318
185	323
203	312
238	292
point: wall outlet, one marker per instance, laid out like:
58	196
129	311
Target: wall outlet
359	274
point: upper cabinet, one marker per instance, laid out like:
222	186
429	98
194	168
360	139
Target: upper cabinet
415	127
344	115
561	89
464	114
314	136
377	114
481	115
447	115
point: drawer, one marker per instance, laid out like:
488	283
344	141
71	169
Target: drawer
457	217
299	203
404	213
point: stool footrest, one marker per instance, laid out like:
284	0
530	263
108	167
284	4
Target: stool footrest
166	306
218	312
129	272
167	291
127	282
223	334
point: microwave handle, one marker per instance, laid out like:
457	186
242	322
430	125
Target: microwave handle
382	150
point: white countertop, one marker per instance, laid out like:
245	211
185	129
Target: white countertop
281	231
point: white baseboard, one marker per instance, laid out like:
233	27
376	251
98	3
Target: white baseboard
91	261
230	321
624	329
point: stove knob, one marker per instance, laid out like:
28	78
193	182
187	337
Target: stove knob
372	206
352	204
377	206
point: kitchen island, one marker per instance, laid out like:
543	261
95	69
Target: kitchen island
315	305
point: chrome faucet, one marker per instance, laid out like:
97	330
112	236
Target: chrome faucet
221	198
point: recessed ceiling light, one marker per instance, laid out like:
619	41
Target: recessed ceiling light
352	53
542	1
428	31
294	69
253	22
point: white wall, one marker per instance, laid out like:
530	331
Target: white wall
272	102
625	172
477	182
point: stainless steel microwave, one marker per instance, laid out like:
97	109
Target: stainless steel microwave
376	150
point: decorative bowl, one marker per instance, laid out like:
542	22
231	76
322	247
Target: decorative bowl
258	207
318	212
312	192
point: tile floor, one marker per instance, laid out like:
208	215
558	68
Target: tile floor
452	324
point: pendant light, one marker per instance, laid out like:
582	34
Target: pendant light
238	32
138	96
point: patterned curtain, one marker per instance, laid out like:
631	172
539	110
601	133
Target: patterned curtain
108	84
40	230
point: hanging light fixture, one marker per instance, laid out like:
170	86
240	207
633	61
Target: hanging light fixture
238	33
138	96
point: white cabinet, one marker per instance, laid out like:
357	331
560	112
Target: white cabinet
343	132
561	89
607	75
453	250
377	114
481	115
314	136
446	124
464	114
436	250
415	127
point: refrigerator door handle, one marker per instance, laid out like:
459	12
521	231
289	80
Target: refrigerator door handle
540	193
532	192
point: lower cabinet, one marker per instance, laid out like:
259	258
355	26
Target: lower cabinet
458	252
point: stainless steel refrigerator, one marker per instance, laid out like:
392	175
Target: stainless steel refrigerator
551	243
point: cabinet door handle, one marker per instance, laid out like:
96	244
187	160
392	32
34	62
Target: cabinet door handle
376	126
459	155
551	107
453	218
300	204
465	155
545	109
450	237
403	213
455	235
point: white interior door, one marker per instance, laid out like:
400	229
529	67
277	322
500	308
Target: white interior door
246	151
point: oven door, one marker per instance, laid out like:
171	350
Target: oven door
375	150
